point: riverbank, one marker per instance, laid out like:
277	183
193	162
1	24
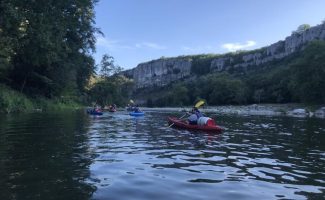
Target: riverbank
12	101
294	110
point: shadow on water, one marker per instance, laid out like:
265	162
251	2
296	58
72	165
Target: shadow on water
45	156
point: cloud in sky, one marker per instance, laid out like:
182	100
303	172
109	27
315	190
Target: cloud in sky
238	46
115	44
199	49
111	44
150	45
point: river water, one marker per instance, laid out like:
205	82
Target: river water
115	156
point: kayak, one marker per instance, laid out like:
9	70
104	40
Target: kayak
184	124
136	113
93	112
112	110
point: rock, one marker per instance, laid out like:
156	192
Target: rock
159	72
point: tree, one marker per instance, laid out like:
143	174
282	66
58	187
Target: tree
46	46
301	28
308	74
108	67
111	90
179	95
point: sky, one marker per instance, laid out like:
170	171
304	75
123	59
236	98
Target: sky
137	31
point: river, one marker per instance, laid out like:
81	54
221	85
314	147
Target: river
70	155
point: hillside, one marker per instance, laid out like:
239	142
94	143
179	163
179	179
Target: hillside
288	71
163	71
299	78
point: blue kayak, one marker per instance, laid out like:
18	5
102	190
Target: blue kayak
93	112
136	113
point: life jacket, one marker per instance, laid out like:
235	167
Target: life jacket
198	114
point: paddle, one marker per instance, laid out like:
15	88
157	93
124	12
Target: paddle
179	118
197	105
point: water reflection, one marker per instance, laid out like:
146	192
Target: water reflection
266	153
116	156
44	157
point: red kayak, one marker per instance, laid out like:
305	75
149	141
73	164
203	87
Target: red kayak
184	124
112	110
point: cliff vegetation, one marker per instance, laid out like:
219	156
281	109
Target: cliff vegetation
298	78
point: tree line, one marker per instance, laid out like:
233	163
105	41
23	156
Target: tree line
46	46
46	52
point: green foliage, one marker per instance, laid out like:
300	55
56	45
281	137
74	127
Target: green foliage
179	95
12	102
108	67
308	74
227	90
46	46
115	89
301	28
201	64
270	87
110	87
299	78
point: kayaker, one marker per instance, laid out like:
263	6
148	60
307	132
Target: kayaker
192	119
98	109
137	109
94	108
195	114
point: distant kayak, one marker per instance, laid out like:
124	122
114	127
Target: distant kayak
112	110
136	113
94	112
184	124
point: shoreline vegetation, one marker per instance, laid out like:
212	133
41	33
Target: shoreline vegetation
47	63
293	110
12	101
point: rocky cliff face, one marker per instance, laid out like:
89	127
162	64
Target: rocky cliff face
160	72
164	71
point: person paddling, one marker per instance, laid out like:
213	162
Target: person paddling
195	114
137	109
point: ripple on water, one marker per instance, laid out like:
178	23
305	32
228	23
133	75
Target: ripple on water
116	156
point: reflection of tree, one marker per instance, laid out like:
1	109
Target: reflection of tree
44	157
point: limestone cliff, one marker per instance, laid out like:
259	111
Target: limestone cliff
166	70
160	72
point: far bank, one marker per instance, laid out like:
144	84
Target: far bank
293	110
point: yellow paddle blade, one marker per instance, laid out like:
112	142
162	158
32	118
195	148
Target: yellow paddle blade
131	101
199	103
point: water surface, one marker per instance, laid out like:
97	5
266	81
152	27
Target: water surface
75	156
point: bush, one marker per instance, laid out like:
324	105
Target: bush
12	101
